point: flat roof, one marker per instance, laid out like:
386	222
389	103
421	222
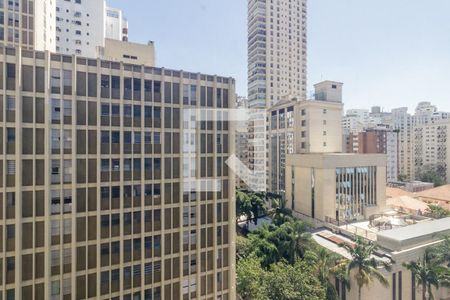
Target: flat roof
336	160
414	235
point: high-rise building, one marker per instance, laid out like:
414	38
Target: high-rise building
242	136
29	24
116	25
104	188
377	141
277	51
311	126
80	26
355	120
64	26
431	149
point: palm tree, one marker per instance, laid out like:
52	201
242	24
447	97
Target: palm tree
326	263
279	212
243	206
294	238
443	250
366	265
258	206
429	272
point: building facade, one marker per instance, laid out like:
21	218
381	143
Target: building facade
431	148
132	53
80	26
64	26
116	25
336	186
277	51
377	141
104	181
311	126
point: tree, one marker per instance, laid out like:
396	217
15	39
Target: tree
243	206
251	279
402	178
293	282
279	212
258	206
437	212
442	250
244	247
433	174
251	205
324	264
365	264
429	272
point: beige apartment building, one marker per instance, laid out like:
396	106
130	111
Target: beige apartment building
103	192
431	148
311	126
336	186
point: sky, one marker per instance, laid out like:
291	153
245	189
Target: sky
389	53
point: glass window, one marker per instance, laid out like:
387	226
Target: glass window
105	137
11	135
67	108
105	110
10	103
56	110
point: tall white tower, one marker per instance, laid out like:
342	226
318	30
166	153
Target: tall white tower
277	51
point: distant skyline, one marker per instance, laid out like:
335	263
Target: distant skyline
387	53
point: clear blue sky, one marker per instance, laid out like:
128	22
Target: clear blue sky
387	52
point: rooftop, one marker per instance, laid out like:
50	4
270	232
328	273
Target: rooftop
399	239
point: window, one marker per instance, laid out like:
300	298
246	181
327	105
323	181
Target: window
67	139
10	103
148	138
105	110
56	140
67	171
157	138
105	137
67	108
11	167
137	138
115	137
56	111
55	204
11	135
55	81
56	171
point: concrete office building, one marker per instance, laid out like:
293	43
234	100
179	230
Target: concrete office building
311	126
102	195
277	51
336	186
